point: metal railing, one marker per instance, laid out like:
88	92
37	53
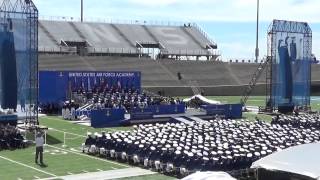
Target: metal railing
196	26
56	49
97	50
113	50
189	52
115	21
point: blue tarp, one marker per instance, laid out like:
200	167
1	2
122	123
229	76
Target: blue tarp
228	110
157	110
106	117
11	119
8	69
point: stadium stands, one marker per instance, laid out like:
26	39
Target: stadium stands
131	47
214	78
154	73
125	38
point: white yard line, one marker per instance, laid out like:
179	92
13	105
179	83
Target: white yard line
110	129
92	157
104	175
16	162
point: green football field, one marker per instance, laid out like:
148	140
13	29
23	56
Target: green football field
60	161
66	160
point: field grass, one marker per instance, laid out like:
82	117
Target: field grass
19	164
260	100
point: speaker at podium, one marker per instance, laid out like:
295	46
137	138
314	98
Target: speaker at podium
8	67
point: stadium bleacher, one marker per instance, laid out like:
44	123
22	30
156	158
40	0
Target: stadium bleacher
215	77
125	38
122	50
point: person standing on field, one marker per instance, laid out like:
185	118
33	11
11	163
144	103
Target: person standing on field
39	148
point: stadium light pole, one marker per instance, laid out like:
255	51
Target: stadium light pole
257	34
81	10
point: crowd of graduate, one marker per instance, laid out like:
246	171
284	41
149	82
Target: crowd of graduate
126	98
49	108
217	145
10	137
302	121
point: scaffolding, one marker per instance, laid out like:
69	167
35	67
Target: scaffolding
289	71
22	17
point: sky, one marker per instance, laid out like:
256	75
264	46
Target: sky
230	23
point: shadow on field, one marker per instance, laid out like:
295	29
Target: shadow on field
52	140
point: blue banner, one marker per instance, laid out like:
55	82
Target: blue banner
158	110
106	117
11	119
168	109
228	110
55	85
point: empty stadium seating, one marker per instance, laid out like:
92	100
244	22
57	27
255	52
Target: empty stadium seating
213	77
124	38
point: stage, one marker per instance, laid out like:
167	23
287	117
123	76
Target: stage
190	115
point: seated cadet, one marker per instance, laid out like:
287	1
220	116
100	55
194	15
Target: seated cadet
100	144
88	143
196	162
145	152
138	153
178	160
116	148
165	157
213	164
119	148
170	158
108	145
103	135
123	151
159	161
146	159
154	155
205	164
188	164
18	140
130	149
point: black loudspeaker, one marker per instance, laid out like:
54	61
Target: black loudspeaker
9	82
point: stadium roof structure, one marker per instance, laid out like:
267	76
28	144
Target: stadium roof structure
111	38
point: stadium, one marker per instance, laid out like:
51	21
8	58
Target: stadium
152	100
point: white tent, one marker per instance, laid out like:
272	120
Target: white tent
209	176
303	160
202	98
